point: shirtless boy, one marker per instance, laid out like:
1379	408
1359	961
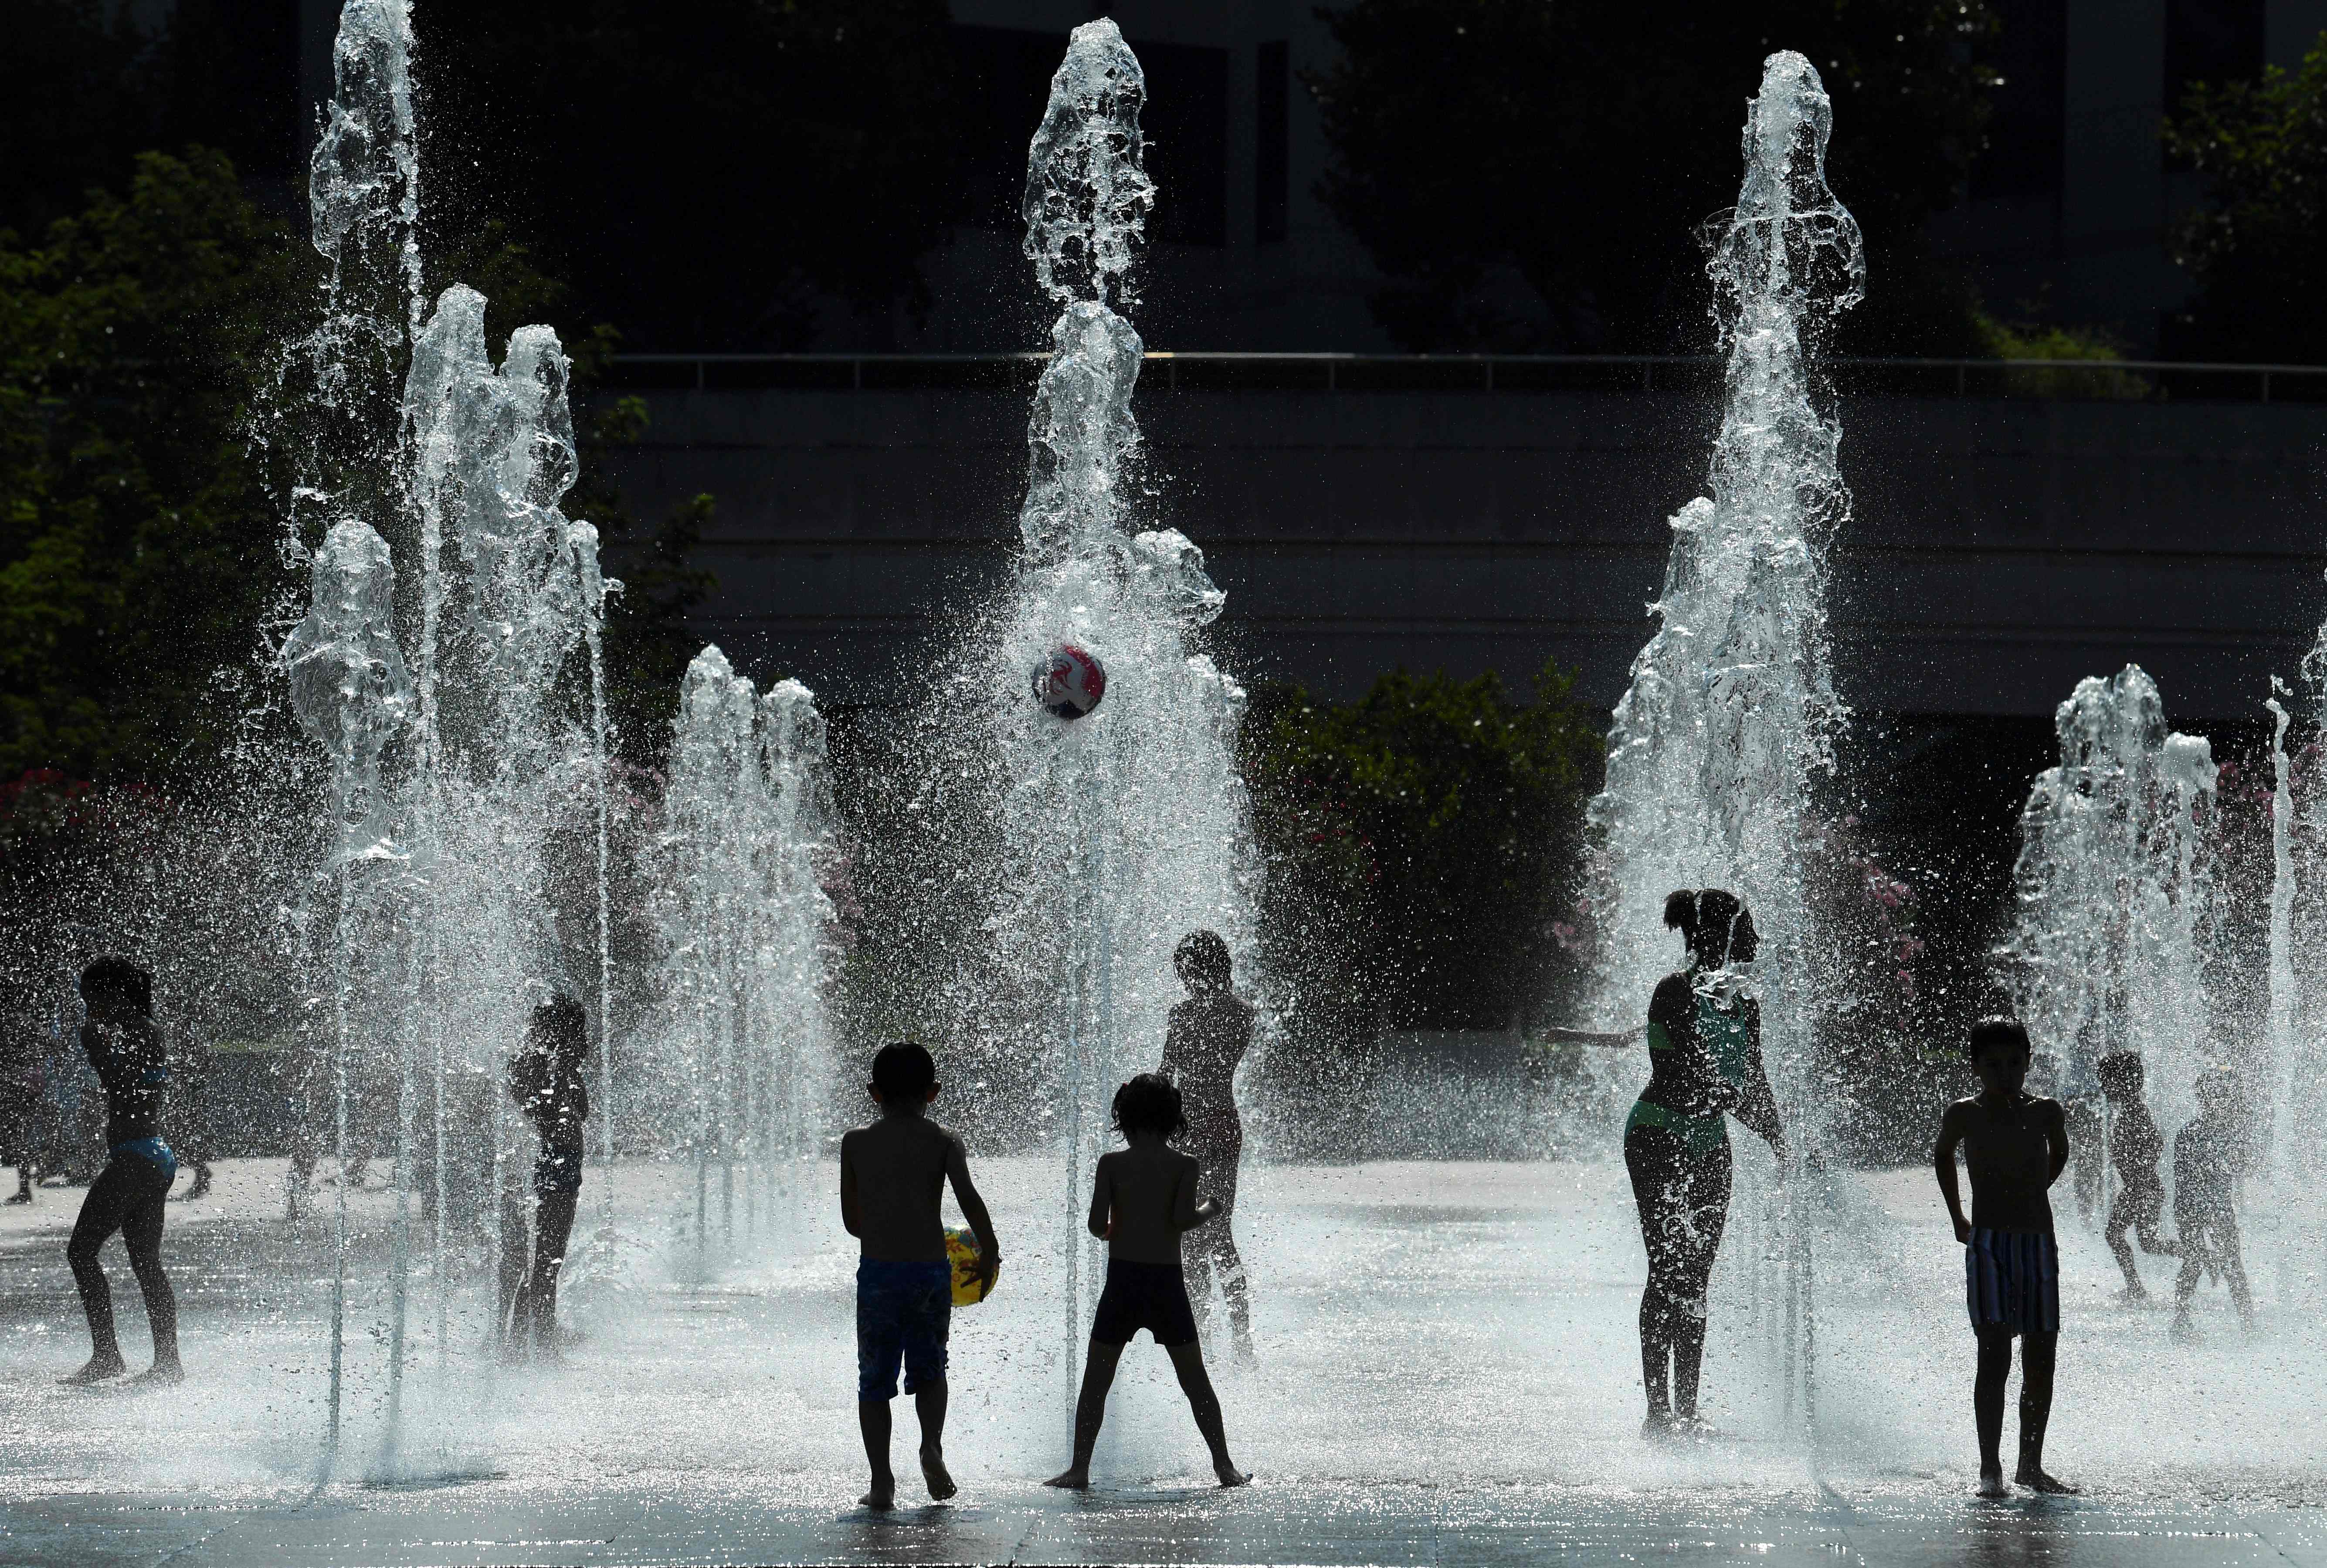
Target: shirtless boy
2208	1155
2134	1147
893	1176
2015	1146
1142	1199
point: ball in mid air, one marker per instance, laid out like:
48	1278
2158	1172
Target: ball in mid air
1070	682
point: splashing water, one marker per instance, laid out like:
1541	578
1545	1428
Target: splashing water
1087	193
2111	889
364	177
745	933
1127	828
1732	711
350	693
466	472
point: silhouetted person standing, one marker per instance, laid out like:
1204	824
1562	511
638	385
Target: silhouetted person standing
131	1194
2015	1146
20	1112
2208	1155
1704	1059
545	1079
1209	1035
2135	1147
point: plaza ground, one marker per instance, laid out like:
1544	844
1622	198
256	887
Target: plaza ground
1448	1373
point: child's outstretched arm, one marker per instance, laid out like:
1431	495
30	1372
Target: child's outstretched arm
1615	1039
1757	1107
972	1208
1943	1160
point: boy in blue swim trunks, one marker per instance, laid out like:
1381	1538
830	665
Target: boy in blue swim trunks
893	1176
1143	1198
131	1194
2015	1146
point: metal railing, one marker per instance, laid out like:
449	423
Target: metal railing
2136	380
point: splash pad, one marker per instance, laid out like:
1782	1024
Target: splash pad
1463	1329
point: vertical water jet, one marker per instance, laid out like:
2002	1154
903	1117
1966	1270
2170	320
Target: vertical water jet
1731	712
1126	829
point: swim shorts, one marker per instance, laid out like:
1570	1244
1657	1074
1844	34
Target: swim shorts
1701	1135
154	1152
2012	1281
1152	1296
905	1311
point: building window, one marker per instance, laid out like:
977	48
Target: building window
1004	84
1272	151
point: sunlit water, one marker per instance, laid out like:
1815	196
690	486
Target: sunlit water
1438	1323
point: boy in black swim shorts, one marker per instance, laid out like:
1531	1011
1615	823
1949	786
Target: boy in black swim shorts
1142	1199
892	1175
2015	1146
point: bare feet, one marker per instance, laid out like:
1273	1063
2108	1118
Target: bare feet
162	1374
882	1495
934	1471
1073	1480
1230	1476
99	1370
2033	1477
1991	1484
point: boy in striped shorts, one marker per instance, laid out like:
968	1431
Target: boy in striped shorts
2015	1146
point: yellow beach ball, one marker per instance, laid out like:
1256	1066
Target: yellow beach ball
961	1251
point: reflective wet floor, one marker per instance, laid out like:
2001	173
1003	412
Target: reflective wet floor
1447	1372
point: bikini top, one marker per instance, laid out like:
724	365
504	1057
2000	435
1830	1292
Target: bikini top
1700	1051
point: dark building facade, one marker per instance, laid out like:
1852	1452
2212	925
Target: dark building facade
2002	548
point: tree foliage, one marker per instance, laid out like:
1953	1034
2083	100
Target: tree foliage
1529	173
136	538
139	524
2258	245
1419	843
701	174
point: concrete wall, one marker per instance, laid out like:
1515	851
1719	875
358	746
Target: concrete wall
2002	548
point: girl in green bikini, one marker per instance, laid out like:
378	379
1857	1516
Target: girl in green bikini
1704	1059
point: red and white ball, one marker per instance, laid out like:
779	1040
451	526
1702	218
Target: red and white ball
1070	682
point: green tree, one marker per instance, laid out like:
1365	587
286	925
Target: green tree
1529	173
136	537
2257	246
1420	844
140	526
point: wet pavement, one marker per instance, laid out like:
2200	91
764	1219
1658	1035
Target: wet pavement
1447	1374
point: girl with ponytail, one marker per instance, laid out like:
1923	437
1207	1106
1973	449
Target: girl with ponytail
1705	1060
